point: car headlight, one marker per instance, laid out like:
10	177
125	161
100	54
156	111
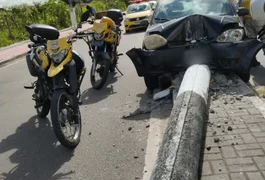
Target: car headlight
98	35
57	58
126	20
231	35
154	41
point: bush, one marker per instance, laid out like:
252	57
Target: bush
52	12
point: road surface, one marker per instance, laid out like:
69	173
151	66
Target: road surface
108	150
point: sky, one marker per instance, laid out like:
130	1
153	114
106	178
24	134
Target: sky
5	3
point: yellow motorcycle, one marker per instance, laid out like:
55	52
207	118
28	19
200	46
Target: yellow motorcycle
60	72
103	46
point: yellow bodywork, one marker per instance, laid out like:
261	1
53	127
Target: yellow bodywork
42	55
105	27
246	4
54	47
133	20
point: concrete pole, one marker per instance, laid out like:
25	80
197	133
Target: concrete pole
179	154
72	15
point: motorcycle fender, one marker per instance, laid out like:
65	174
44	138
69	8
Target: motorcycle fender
71	71
101	54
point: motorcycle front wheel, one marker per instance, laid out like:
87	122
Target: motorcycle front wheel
64	120
99	69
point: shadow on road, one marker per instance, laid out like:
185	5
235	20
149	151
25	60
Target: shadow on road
160	109
37	155
91	95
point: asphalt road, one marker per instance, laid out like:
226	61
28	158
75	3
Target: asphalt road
108	150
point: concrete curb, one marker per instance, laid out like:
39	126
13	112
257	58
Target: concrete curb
179	154
4	62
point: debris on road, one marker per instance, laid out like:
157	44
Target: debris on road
147	126
209	148
212	111
216	140
130	128
230	128
163	94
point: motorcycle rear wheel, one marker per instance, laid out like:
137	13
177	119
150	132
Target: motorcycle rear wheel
60	101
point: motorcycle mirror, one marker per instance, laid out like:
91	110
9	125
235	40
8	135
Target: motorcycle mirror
242	11
85	16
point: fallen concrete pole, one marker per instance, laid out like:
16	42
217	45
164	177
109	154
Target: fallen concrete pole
179	154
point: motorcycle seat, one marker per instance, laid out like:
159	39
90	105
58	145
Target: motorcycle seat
44	31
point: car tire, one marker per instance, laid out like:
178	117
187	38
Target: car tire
245	77
151	82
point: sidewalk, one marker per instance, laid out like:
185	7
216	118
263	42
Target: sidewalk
235	140
13	52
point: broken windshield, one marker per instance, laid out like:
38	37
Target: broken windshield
173	9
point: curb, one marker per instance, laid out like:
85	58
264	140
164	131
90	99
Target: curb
4	62
179	154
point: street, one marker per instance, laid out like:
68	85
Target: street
111	148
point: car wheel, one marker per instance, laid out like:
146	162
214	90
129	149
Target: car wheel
245	77
151	82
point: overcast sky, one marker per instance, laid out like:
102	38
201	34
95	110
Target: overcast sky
4	3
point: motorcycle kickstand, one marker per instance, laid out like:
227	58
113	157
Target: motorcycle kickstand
118	70
30	87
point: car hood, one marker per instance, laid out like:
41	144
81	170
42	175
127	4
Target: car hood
138	14
194	27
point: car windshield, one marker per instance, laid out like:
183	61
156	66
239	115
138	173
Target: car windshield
173	9
135	8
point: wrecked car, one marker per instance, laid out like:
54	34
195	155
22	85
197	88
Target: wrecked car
186	32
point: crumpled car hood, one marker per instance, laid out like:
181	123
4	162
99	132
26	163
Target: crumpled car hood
193	27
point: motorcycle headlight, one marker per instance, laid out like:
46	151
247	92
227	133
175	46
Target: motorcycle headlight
154	41
57	58
98	35
231	35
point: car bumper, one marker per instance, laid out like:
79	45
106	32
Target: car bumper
233	57
134	25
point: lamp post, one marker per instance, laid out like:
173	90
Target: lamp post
72	14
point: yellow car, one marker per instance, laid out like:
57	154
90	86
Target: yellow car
135	14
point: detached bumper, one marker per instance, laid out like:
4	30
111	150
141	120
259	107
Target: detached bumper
230	57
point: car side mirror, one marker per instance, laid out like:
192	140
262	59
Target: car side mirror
242	11
144	23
